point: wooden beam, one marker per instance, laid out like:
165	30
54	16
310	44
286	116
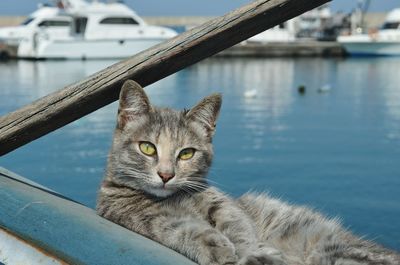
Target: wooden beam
77	100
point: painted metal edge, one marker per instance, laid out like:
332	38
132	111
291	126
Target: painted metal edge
72	232
13	250
9	174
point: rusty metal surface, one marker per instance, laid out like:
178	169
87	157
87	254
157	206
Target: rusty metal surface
71	232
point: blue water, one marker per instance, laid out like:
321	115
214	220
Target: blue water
338	152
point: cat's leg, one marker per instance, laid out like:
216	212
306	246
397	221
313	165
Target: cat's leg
307	237
262	254
223	214
352	253
347	249
193	238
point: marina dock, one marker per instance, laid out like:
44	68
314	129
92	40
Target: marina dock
285	49
247	49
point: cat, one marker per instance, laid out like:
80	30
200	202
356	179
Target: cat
155	184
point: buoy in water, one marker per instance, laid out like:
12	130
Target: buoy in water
325	88
250	93
301	89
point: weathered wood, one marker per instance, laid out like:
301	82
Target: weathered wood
71	103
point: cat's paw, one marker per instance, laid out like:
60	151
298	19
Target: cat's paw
329	261
263	256
355	257
219	249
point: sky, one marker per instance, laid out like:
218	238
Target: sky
187	7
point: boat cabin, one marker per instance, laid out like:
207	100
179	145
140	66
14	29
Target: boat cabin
392	21
46	19
106	21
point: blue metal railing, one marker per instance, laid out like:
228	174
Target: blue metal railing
70	231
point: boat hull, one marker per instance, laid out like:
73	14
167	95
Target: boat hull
372	48
86	49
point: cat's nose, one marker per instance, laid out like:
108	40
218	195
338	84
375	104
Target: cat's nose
165	177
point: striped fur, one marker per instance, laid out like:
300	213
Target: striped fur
197	220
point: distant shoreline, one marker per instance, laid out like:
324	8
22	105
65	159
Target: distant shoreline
373	20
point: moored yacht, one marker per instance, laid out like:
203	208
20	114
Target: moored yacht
284	32
382	42
76	29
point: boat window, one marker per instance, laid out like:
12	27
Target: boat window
80	25
119	21
391	25
27	21
54	23
309	19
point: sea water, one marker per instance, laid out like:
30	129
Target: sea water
336	150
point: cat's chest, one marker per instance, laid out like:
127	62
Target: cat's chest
187	207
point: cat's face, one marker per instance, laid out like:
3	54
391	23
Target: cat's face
162	151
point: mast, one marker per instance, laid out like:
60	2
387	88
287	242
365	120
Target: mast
364	10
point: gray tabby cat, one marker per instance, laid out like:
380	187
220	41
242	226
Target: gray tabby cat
156	185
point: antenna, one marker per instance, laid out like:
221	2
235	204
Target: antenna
364	10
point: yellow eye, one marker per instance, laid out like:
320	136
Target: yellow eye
147	148
186	154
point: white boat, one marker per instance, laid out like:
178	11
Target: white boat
308	25
383	42
311	24
284	32
77	29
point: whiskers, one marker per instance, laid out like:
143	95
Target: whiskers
131	177
191	185
130	171
130	174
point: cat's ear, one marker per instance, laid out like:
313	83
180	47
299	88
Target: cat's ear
205	114
133	103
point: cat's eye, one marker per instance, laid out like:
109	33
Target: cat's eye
186	154
147	148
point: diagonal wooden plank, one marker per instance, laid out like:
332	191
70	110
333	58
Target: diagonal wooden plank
77	100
